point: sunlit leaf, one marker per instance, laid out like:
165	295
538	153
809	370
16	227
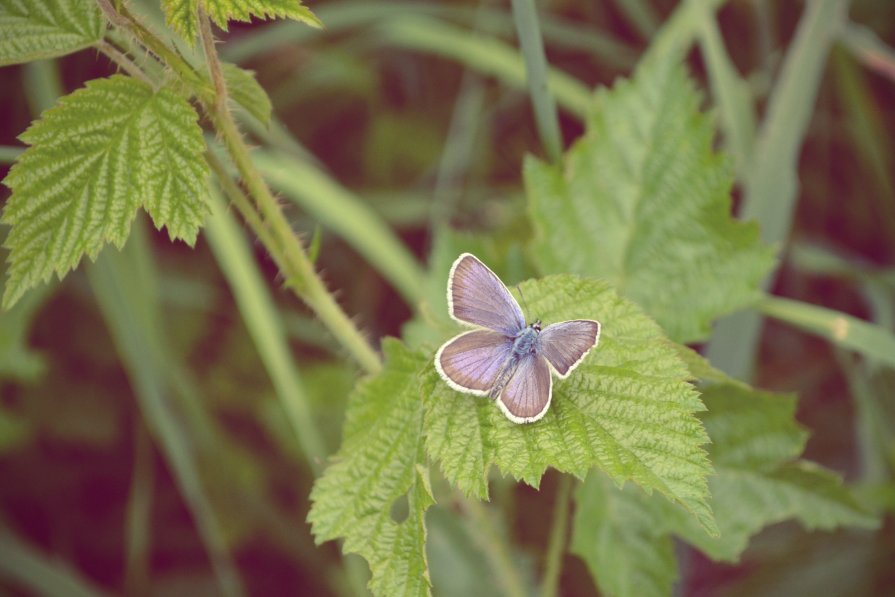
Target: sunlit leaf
380	466
626	410
642	201
182	15
31	29
101	153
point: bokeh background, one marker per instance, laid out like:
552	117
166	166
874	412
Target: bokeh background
420	129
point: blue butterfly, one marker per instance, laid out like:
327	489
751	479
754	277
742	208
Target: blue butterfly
503	358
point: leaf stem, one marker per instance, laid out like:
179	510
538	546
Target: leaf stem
525	14
558	537
282	243
494	546
126	64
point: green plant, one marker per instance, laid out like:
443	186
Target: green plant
631	225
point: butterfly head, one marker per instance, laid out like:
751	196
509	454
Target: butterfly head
536	326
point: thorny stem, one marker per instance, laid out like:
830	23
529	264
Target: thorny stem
125	63
283	244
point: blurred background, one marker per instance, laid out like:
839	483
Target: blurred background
412	110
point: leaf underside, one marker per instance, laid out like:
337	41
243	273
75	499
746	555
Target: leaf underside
101	153
642	201
182	15
626	409
32	30
244	89
382	461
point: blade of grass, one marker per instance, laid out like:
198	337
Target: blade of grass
868	132
679	31
731	92
559	537
641	16
839	328
137	524
9	154
27	567
260	316
525	14
341	17
771	188
124	285
486	55
339	210
869	49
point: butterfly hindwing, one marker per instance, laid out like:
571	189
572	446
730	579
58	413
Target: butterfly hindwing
565	344
472	361
526	396
476	296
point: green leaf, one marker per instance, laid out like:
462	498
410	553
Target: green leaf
642	201
245	91
104	151
31	30
182	15
614	532
627	409
381	463
758	482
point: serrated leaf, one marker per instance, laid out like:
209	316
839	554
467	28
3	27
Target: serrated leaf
245	91
615	534
626	409
642	201
758	482
182	15
31	30
101	153
381	461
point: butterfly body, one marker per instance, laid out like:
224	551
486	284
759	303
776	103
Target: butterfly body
503	358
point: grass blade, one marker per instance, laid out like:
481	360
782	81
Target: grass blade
771	188
839	328
525	15
260	316
26	566
124	285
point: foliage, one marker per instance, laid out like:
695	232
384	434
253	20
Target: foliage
33	30
104	151
641	200
240	401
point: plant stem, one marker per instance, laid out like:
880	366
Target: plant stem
493	544
277	235
525	14
122	61
558	537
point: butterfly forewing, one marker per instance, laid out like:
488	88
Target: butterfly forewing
565	344
471	361
477	296
526	397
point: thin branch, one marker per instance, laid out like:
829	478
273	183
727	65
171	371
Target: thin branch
125	63
283	245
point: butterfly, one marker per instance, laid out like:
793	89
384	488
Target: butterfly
503	358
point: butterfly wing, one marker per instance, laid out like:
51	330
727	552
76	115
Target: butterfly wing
472	361
477	296
526	397
566	344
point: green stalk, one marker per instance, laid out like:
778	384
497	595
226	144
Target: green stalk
285	247
492	544
139	506
559	535
525	15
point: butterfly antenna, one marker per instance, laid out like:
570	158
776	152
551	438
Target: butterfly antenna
524	303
